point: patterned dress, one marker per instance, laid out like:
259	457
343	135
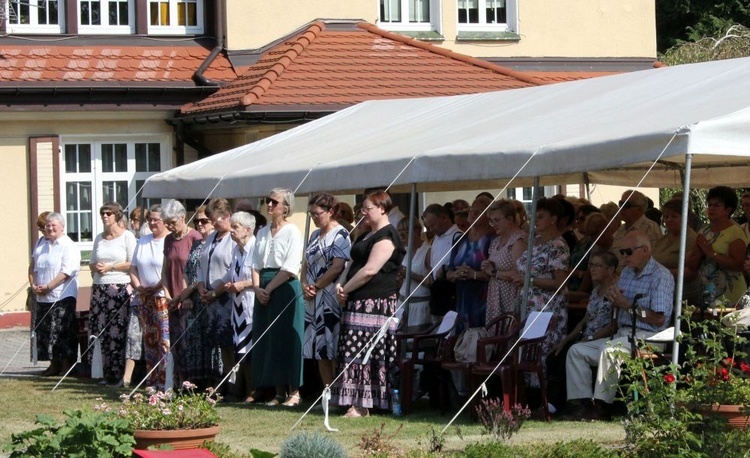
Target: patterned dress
471	295
323	314
731	285
502	295
202	356
546	258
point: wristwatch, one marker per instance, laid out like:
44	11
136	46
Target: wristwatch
213	294
590	338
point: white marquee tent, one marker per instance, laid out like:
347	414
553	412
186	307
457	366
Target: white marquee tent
602	130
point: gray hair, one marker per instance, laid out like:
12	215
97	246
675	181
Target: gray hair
172	209
156	208
54	216
287	196
244	219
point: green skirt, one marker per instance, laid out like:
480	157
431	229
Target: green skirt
277	353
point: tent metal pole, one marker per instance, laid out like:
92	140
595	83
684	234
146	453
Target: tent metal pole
409	250
529	251
681	259
306	240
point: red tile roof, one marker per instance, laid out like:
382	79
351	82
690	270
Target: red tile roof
561	77
327	66
107	64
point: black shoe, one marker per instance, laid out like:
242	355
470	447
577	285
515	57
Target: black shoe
600	411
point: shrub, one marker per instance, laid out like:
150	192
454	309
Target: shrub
499	423
311	445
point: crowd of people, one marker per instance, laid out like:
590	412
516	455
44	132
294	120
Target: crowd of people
239	292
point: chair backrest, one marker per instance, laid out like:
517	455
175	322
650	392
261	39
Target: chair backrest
448	323
538	325
502	324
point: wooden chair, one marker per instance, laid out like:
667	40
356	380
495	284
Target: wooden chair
425	347
525	358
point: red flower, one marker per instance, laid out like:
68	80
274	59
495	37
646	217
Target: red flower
669	378
744	367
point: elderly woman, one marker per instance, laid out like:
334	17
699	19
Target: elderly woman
666	250
278	297
216	260
465	268
719	252
202	359
150	304
177	247
238	282
500	266
596	324
419	302
549	267
369	297
41	222
53	276
325	258
110	293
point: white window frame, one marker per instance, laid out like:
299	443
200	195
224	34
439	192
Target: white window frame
511	17
97	177
546	191
405	26
174	29
33	26
106	28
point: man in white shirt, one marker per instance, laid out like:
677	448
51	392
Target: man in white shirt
437	219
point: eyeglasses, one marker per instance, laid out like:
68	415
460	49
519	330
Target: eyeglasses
494	222
316	214
270	201
366	209
106	213
597	265
202	221
629	251
154	220
625	205
169	222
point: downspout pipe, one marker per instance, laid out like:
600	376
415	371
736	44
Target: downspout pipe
198	76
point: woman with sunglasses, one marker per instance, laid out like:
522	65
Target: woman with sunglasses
177	247
325	258
202	360
279	312
110	292
369	298
719	252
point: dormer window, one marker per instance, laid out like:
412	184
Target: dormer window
33	16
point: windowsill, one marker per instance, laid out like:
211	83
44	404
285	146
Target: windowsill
430	35
488	36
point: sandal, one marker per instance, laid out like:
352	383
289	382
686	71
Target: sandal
292	401
357	412
276	401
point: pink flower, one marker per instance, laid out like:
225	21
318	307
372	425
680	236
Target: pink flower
153	400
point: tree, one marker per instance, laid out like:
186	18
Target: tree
678	21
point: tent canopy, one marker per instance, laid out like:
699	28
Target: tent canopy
603	130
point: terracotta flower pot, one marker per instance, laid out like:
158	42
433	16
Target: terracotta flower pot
736	419
179	439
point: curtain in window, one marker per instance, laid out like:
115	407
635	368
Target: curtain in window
419	10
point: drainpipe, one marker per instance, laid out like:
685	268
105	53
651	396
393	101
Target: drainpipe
198	76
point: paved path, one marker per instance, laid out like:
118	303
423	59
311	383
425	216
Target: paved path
15	358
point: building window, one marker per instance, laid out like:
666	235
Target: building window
97	172
408	15
175	16
33	16
526	196
105	16
490	15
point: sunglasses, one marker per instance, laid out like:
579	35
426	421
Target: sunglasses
629	251
626	205
202	221
106	213
270	201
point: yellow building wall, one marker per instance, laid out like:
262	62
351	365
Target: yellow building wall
584	28
15	130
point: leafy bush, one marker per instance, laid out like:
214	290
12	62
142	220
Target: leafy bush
311	445
378	444
84	434
184	409
499	423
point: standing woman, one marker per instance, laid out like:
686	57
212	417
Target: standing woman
110	293
419	295
277	355
177	247
41	222
216	260
719	252
370	298
149	304
53	276
325	259
465	267
202	359
500	266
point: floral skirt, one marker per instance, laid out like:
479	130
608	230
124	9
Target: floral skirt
55	327
366	385
108	319
155	325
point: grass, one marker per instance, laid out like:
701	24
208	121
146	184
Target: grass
264	428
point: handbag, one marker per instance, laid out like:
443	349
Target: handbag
465	350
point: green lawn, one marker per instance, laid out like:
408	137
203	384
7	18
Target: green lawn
265	428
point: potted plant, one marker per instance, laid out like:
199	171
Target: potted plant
183	419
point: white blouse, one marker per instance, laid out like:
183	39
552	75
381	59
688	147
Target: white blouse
113	251
148	260
52	257
284	251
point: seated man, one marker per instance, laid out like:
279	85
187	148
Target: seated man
652	286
